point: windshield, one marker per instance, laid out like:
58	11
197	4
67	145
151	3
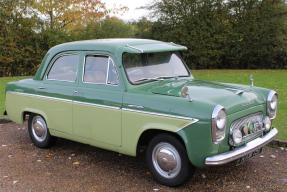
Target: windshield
153	66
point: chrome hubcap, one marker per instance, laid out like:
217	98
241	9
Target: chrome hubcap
39	128
166	160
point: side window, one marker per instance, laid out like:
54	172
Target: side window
112	75
64	68
100	70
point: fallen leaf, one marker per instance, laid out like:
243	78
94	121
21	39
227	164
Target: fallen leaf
14	182
4	145
10	156
261	156
155	189
203	176
273	156
5	176
248	187
76	163
73	155
39	160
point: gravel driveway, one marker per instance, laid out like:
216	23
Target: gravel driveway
70	166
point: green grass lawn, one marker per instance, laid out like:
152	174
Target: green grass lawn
273	79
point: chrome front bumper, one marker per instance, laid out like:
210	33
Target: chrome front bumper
237	153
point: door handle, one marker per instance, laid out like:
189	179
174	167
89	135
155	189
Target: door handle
136	106
76	91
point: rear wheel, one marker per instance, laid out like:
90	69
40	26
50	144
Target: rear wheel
167	159
39	132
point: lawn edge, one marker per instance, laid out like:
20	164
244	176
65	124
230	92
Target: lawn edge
4	119
278	143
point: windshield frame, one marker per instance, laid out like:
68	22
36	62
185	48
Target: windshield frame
178	53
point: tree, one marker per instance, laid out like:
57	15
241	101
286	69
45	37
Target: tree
225	34
69	14
18	41
110	27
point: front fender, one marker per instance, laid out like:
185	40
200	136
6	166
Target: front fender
198	142
135	123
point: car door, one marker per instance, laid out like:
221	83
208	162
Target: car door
57	91
98	100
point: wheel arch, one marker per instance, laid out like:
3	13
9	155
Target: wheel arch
29	111
147	135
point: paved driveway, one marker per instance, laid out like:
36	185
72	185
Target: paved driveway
70	166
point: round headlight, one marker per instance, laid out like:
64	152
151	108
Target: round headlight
237	136
272	104
267	123
221	119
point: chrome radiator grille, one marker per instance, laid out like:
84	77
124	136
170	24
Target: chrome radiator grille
251	126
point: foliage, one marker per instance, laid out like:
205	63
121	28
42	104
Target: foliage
69	14
108	28
218	33
225	34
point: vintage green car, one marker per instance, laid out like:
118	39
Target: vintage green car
137	96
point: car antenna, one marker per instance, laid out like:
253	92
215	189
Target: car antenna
251	80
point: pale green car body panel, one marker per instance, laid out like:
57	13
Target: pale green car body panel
124	140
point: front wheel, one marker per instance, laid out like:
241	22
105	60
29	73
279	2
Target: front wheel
167	159
39	132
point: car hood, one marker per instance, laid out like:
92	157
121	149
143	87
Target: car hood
233	97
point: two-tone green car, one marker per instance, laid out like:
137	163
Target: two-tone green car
133	96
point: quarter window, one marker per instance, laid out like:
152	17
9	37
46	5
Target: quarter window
64	68
100	70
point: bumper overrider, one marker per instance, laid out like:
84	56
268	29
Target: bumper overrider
239	152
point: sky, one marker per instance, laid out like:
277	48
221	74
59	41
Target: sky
133	13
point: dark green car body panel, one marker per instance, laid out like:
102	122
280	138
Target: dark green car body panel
159	98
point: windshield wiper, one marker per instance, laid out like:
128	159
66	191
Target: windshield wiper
159	78
149	79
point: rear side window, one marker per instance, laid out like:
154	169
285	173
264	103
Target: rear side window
100	70
64	68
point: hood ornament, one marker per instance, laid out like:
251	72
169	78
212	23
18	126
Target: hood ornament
185	93
251	80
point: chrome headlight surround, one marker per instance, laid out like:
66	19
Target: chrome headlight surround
272	102
218	124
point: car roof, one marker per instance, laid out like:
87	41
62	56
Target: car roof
123	44
115	46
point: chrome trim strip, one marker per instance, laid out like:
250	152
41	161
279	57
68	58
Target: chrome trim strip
108	69
96	105
237	153
64	100
192	120
136	106
40	96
